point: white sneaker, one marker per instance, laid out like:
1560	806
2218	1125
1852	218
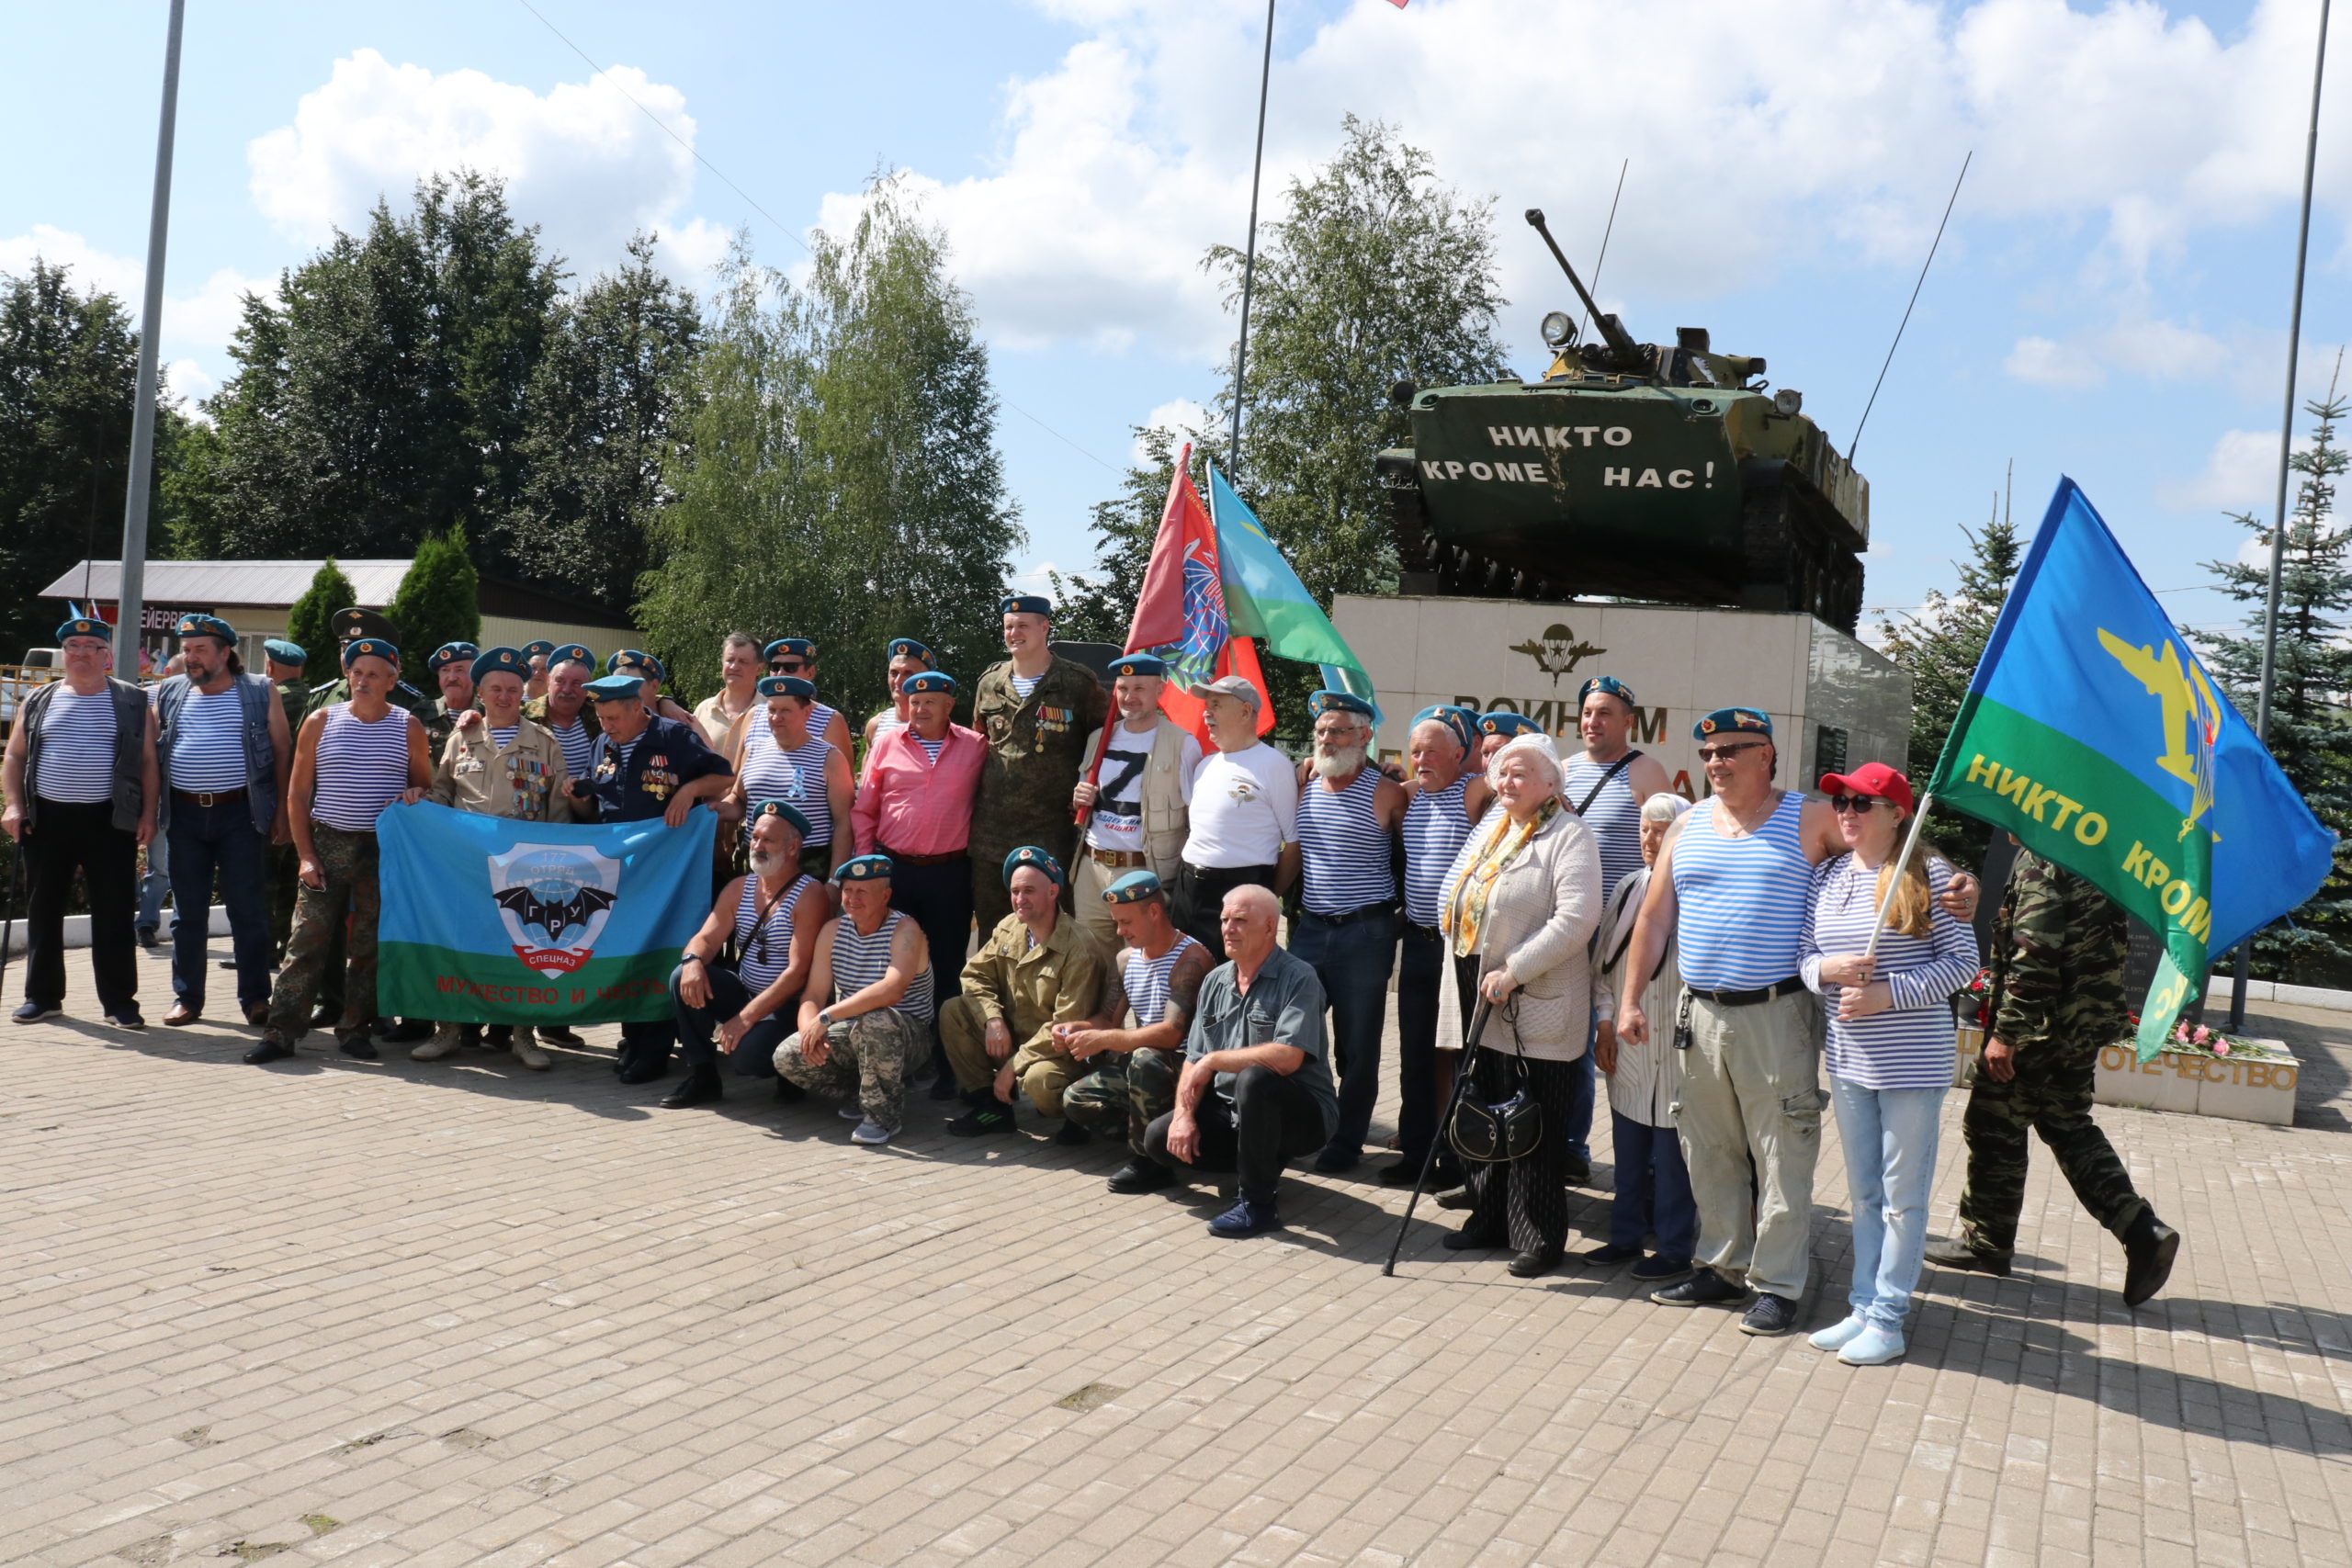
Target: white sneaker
871	1133
848	1111
1835	1336
1874	1347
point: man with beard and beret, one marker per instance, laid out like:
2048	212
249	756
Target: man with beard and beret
1036	970
451	665
1035	711
744	1008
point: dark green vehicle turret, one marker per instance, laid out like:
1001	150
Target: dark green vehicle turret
1631	469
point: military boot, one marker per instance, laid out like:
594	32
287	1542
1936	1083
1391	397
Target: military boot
2149	1247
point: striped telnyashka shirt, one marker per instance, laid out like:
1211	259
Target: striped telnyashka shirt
77	736
208	743
1435	830
1146	980
1614	815
770	772
1742	900
765	951
860	961
1343	848
1910	1045
361	769
578	747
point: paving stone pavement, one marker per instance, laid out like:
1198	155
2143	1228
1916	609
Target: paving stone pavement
428	1314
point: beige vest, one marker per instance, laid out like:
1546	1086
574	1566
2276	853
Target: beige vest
1166	819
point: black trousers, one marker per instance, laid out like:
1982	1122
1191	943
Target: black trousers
1420	965
62	841
754	1055
939	899
1524	1199
1200	899
1272	1119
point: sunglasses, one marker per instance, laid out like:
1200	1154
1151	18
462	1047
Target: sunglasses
787	667
1724	753
1860	804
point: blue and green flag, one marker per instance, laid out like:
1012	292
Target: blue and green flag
488	920
1263	597
2093	734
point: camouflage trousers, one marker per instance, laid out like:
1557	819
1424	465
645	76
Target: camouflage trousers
2050	1095
349	863
1124	1094
870	1057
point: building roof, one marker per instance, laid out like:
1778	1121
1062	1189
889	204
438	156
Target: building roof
220	583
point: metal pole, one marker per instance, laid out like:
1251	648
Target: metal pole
130	594
1250	252
2286	452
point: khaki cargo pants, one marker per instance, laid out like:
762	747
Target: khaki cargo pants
1751	1090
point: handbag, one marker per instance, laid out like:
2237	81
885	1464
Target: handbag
1493	1134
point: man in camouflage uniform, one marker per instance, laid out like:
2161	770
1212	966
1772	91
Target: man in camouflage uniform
1035	710
1134	1070
1035	970
284	665
2057	997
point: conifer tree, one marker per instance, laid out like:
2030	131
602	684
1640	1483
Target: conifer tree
439	601
306	621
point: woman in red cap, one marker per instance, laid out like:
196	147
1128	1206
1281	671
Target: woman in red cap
1890	1041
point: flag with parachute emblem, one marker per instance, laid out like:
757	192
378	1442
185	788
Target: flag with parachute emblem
1181	612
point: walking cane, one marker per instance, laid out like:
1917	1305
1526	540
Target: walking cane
7	911
1462	1077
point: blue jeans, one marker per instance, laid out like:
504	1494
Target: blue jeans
155	884
1653	1189
1890	1138
1353	960
205	839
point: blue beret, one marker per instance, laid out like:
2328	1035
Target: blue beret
798	647
571	653
615	689
1030	854
783	809
1749	719
863	868
540	649
85	626
1461	728
1133	888
786	687
1505	722
495	659
1609	683
375	645
1025	604
633	658
285	652
449	653
205	625
1139	664
923	680
910	646
1327	700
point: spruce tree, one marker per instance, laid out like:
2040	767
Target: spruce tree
2310	677
439	598
306	621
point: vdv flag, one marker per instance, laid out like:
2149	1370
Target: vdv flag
489	920
2093	734
1180	610
1265	598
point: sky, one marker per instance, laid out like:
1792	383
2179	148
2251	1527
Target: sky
2110	299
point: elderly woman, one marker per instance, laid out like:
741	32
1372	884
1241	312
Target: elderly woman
1523	896
1653	1185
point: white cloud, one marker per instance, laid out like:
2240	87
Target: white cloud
1182	417
1037	579
2241	474
2153	350
197	325
187	381
2048	364
580	161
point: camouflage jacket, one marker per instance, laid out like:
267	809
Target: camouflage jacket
1036	750
403	695
2057	960
536	710
294	696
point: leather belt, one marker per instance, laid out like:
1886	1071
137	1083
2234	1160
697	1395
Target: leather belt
1777	989
208	797
904	859
1119	860
1366	913
1431	933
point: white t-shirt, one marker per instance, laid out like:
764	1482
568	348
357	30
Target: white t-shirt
1245	808
1117	821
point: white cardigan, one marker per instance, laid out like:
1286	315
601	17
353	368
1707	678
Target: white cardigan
1539	918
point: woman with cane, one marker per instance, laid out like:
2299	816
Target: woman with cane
1886	956
1525	894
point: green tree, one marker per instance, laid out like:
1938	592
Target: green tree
1938	646
599	423
439	598
385	398
1377	273
2310	677
837	478
306	621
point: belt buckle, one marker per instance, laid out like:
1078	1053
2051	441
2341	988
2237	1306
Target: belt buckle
204	798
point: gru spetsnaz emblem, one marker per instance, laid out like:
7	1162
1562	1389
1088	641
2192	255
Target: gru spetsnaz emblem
553	901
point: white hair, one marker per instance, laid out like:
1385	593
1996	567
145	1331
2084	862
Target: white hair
1256	898
1664	806
1539	748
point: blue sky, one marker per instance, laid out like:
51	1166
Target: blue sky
2110	301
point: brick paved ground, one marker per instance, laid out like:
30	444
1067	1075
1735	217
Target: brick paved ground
421	1316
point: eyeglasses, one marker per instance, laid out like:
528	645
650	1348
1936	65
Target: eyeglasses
787	667
1726	753
1860	804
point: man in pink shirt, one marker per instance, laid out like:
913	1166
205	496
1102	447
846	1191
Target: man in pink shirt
915	805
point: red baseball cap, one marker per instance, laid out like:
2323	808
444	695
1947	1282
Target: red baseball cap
1871	778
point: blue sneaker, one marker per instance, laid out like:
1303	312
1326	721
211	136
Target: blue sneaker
1246	1217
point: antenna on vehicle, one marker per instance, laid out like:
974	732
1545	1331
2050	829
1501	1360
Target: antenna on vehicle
1610	227
1855	444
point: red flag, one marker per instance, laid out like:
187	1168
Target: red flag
1180	611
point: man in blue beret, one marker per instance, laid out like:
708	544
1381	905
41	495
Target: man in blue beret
1445	797
1133	1068
451	665
1035	970
770	916
1035	710
1499	730
349	626
565	709
535	660
796	657
225	756
650	672
907	657
865	1024
1136	798
80	779
283	664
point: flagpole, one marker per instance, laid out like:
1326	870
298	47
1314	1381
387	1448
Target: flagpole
1249	251
131	589
2286	452
1886	900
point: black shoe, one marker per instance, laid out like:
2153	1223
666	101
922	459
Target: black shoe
944	1087
147	936
1404	1173
1771	1317
470	1035
787	1093
1471	1238
701	1087
640	1072
981	1119
268	1051
33	1012
1142	1176
1333	1159
1576	1170
1609	1253
404	1032
127	1018
326	1017
1960	1256
1536	1260
568	1039
1660	1268
2149	1247
1704	1287
357	1046
226	964
1072	1135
